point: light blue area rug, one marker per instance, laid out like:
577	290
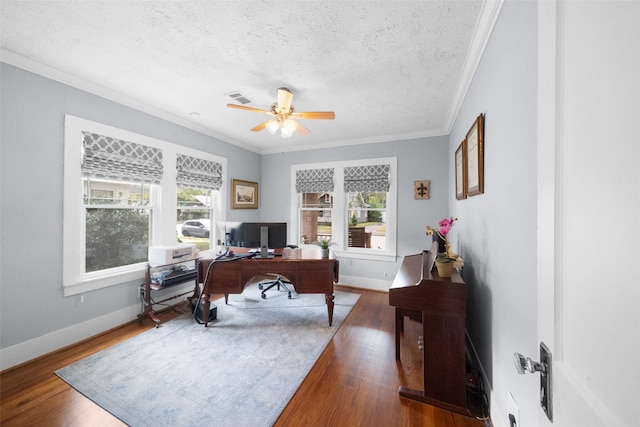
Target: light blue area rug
240	371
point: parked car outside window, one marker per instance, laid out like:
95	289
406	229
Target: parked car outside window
196	228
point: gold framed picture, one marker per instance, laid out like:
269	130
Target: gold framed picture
421	190
475	157
461	170
244	194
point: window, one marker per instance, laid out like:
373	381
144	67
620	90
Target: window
366	212
315	189
366	187
197	181
117	223
122	192
352	202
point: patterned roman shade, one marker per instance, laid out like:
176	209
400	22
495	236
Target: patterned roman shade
314	180
366	178
198	173
119	160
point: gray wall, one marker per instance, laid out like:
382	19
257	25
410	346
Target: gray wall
496	231
418	160
33	109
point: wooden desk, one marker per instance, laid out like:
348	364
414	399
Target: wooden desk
310	274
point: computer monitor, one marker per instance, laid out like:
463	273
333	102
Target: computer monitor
276	231
233	233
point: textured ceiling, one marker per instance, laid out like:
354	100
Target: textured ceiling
389	69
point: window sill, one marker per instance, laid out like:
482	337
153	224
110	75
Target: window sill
366	256
80	286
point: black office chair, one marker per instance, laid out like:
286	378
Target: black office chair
275	280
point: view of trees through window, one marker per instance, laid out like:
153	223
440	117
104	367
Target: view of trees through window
118	220
117	223
366	216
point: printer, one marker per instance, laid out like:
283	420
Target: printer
163	255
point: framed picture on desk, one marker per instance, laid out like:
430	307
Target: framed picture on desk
244	194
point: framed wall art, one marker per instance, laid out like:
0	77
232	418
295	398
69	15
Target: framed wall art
461	170
421	190
244	194
475	157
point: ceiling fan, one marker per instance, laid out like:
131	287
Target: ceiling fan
284	116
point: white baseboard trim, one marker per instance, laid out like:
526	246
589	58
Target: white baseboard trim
494	410
497	418
36	347
365	283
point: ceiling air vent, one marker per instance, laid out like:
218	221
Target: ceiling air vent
237	96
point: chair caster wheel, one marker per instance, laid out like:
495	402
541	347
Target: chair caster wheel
263	296
260	286
289	296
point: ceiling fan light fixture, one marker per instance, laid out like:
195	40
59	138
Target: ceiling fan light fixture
284	116
272	126
286	133
290	125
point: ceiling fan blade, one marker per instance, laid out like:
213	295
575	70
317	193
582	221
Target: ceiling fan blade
244	107
260	126
284	99
324	115
301	129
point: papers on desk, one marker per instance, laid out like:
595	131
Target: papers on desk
253	251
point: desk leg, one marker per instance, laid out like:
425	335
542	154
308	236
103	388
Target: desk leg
330	304
205	305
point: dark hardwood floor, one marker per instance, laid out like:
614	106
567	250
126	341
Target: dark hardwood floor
354	382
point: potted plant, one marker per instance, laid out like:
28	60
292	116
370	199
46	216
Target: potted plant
325	243
446	260
445	264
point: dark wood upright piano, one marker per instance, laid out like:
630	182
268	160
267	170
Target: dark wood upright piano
440	303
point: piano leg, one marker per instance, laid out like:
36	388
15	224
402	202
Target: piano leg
401	313
399	330
444	378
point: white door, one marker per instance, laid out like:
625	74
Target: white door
589	209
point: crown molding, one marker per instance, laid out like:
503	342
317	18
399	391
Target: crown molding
30	65
484	27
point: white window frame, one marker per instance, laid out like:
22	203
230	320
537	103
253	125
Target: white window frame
339	211
163	201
